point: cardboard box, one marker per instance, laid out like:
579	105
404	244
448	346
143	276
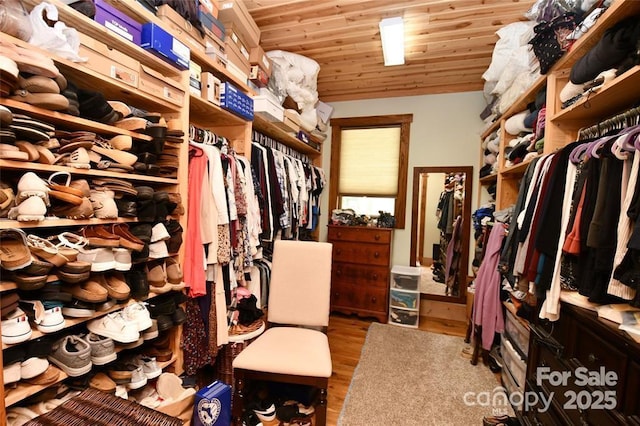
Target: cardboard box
238	42
181	28
156	84
234	55
324	111
212	405
258	57
266	108
258	77
293	115
287	125
234	15
107	61
218	55
232	99
210	87
157	40
210	6
195	83
117	22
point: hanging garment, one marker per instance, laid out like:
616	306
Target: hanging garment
194	276
487	308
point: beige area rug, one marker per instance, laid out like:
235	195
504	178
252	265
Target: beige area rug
413	377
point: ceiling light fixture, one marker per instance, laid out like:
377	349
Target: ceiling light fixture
392	36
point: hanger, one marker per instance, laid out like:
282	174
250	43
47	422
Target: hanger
577	153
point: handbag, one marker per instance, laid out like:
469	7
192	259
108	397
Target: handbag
551	39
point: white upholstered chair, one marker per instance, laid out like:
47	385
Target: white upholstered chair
292	349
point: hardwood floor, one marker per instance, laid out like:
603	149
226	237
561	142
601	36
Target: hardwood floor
346	338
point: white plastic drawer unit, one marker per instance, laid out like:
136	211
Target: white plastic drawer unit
513	362
405	277
517	332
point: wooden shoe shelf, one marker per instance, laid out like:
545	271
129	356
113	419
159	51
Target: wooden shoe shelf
188	109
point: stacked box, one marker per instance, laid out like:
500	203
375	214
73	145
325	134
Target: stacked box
232	99
117	22
158	41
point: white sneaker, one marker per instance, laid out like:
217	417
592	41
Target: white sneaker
101	258
33	367
159	233
122	257
121	391
104	204
137	313
138	379
31	185
11	373
149	366
114	325
15	328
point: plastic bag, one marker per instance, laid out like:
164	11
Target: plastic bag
14	19
59	39
547	10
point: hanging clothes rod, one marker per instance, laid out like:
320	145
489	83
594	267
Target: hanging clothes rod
619	121
269	142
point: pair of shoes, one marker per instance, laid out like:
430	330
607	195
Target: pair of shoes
31	199
72	354
115	326
165	276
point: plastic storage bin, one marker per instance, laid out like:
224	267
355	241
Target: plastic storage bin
403	317
518	333
403	299
405	277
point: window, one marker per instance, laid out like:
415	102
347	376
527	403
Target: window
369	157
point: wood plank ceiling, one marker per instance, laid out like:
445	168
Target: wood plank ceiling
448	44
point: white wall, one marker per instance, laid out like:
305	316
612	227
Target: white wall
445	132
435	186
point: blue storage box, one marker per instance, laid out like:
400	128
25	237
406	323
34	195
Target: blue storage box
212	406
161	43
117	22
232	99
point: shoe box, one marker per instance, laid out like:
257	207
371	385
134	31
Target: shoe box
518	334
236	101
156	84
161	43
259	58
117	22
109	62
291	122
212	405
513	362
267	108
181	28
235	17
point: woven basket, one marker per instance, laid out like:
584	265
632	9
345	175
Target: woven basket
95	408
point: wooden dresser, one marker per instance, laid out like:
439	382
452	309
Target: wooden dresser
360	271
581	340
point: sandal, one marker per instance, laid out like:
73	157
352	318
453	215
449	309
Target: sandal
7	198
45	250
78	159
15	252
62	191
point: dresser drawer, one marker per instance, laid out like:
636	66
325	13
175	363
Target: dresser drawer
359	234
362	275
518	333
347	295
367	254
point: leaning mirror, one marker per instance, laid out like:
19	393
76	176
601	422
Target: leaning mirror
440	226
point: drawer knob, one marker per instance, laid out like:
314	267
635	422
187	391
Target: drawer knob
337	295
376	237
339	272
374	299
376	255
592	358
375	277
339	234
338	251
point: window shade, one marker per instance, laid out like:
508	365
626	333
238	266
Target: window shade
369	161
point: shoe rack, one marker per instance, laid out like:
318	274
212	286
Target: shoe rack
192	110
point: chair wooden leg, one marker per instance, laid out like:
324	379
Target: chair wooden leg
238	398
321	408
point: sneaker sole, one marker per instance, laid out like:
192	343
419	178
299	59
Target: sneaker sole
152	375
71	371
51	328
13	340
137	385
30	218
102	360
102	266
122	267
78	313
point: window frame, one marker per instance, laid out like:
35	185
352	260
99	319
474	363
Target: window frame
401	120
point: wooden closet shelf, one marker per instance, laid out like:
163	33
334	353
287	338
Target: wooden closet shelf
518	169
89	173
93	29
610	99
269	129
24	390
61	223
205	114
69	121
489	179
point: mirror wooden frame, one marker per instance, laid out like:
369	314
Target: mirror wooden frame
466	229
